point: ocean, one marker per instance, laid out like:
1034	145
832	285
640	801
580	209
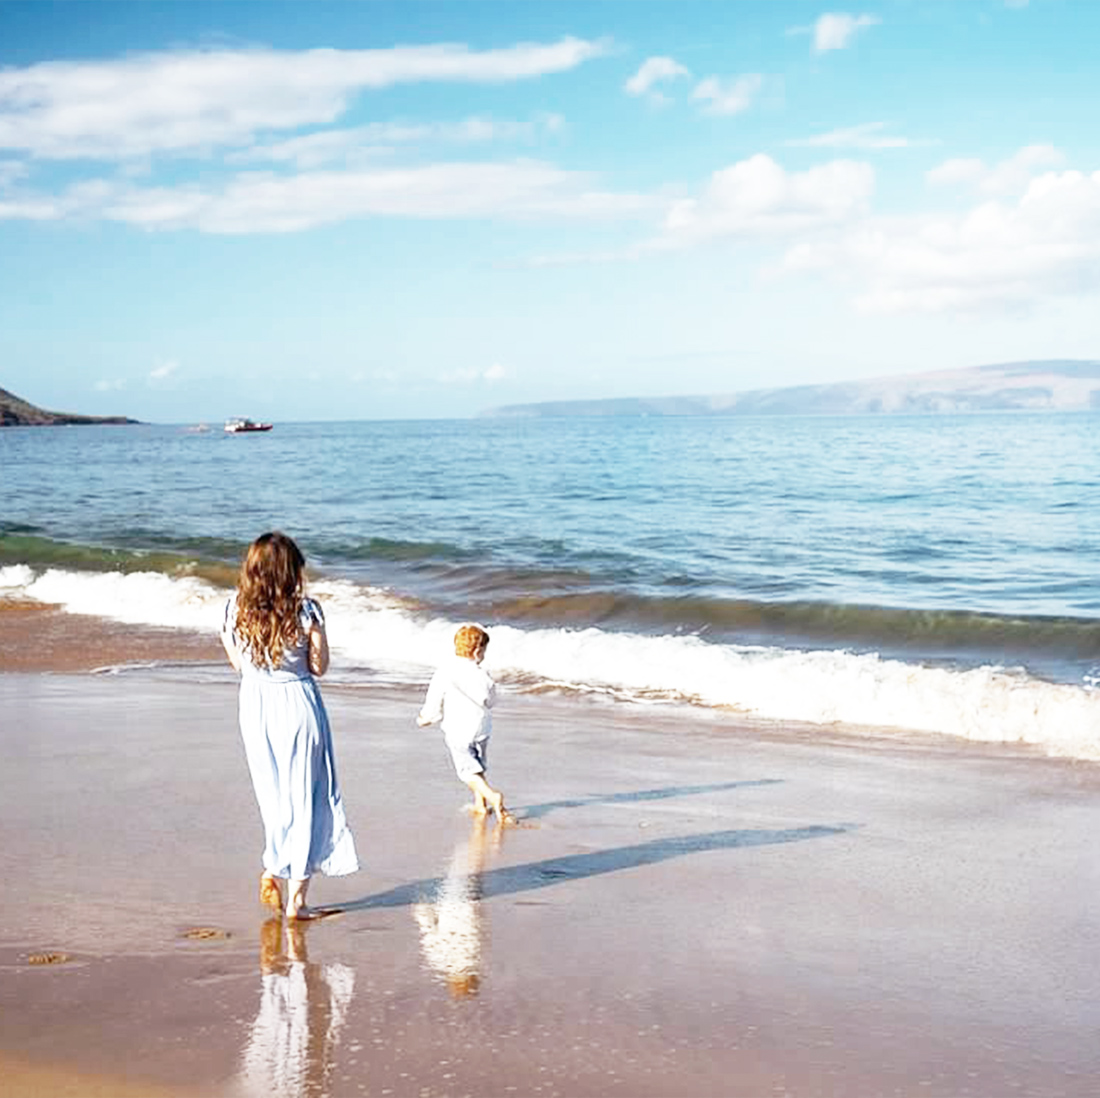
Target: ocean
926	574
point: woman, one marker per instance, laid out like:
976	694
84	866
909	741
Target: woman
275	636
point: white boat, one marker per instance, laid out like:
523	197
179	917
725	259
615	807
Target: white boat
239	425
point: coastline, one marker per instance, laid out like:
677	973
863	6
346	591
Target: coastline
695	905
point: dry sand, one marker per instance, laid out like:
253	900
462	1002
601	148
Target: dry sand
695	906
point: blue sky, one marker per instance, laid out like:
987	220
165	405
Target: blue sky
368	210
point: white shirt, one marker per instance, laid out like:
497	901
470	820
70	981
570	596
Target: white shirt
461	695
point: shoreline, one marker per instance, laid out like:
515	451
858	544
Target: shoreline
39	637
694	905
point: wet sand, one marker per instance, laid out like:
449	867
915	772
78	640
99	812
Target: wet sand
695	905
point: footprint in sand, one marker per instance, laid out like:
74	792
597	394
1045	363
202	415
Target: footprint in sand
206	934
49	957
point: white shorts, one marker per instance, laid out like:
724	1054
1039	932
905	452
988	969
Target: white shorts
469	756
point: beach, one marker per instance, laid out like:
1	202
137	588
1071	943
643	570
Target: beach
692	903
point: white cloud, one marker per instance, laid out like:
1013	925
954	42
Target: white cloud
835	30
1010	176
254	202
957	171
193	101
758	197
729	96
867	135
163	370
109	385
33	208
475	375
359	144
999	255
652	71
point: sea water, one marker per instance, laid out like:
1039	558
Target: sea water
933	573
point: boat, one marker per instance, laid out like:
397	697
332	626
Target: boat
239	425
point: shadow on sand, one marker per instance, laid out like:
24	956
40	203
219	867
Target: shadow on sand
537	811
509	880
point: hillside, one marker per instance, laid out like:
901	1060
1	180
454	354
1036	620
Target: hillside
1059	385
16	412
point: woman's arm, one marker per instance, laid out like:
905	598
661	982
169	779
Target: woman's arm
231	650
318	648
229	620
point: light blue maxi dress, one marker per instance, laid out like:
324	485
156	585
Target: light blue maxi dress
288	744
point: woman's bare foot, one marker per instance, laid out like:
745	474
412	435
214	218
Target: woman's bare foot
302	914
296	900
271	894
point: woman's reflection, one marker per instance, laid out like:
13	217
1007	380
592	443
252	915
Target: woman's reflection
303	1007
452	927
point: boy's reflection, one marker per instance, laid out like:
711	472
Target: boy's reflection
452	927
302	1010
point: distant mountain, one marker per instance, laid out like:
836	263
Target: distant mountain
1059	385
16	412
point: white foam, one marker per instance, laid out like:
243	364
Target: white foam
370	629
15	577
138	598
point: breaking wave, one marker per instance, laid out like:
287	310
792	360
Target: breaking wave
379	636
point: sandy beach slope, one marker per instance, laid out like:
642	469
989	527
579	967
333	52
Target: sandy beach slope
695	905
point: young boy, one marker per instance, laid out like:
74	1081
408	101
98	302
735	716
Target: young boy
461	695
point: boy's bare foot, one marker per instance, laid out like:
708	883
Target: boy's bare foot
480	808
502	814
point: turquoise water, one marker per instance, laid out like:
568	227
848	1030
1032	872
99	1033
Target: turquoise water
955	543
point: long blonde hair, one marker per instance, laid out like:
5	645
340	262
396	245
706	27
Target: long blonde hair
269	598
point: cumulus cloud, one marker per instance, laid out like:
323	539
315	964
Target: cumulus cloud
758	197
193	101
653	71
1002	254
1010	176
867	135
728	96
835	30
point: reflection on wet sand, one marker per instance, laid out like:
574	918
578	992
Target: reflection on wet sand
451	921
303	1007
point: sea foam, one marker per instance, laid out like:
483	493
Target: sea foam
372	631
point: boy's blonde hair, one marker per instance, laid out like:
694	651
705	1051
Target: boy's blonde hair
470	640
